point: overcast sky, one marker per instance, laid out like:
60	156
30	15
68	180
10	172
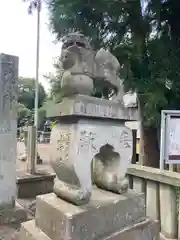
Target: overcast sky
18	37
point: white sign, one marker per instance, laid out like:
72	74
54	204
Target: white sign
174	140
170	137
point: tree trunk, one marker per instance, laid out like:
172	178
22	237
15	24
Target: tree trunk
149	141
150	154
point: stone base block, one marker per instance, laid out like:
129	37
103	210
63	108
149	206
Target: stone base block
105	214
16	214
31	185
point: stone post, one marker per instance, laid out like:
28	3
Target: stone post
168	211
8	129
25	141
31	149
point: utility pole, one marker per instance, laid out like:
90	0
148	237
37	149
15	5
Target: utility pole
37	79
35	4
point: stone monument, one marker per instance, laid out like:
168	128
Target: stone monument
90	144
9	209
8	144
29	152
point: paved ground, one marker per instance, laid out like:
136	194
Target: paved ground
44	152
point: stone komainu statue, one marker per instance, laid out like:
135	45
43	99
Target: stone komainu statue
83	68
86	140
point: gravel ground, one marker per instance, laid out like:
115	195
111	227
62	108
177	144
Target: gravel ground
7	232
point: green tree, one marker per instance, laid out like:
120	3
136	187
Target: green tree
27	93
143	38
56	93
22	114
32	4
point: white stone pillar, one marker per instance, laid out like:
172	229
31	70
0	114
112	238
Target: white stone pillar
8	128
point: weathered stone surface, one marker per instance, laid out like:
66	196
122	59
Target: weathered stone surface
105	214
81	105
8	144
146	230
39	183
73	148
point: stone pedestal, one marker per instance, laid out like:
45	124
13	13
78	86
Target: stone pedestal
90	133
107	216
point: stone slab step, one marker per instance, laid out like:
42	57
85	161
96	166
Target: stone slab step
146	230
29	231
